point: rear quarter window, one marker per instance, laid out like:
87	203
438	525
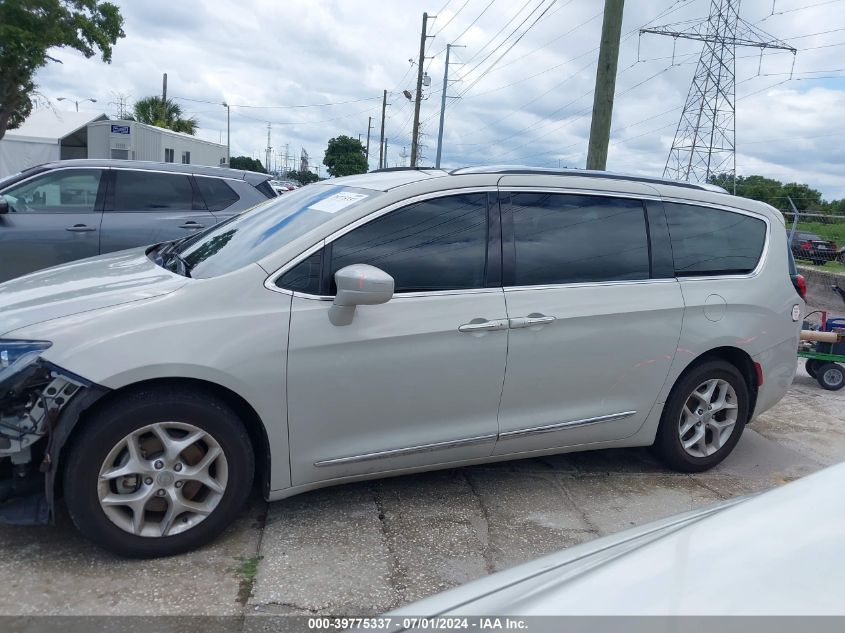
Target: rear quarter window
217	194
708	241
265	188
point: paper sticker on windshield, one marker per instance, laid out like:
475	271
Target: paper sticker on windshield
337	202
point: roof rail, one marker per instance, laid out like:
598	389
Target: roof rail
589	173
383	169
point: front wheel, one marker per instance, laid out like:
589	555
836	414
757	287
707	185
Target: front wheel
703	417
158	472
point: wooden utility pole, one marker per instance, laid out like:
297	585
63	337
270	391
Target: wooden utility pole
605	85
418	95
381	141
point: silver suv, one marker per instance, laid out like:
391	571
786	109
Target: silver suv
72	209
389	323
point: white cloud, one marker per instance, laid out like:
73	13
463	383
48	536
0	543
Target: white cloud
265	52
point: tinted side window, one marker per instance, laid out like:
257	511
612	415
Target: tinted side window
62	191
305	276
708	241
217	194
266	189
561	238
151	191
438	244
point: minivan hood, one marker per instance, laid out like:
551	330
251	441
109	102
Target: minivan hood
80	286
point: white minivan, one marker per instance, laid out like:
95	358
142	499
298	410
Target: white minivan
387	323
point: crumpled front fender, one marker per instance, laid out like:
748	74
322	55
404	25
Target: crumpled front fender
38	410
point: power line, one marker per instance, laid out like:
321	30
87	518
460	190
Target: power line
550	42
499	32
279	107
449	21
511	34
507	50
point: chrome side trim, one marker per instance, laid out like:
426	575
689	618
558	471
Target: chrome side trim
550	428
396	452
592	284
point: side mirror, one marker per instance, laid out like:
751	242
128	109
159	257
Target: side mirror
4	205
359	284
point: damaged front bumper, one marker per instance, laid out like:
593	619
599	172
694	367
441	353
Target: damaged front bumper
40	403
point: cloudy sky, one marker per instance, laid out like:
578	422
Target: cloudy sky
521	102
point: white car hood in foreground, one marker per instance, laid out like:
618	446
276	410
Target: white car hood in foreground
88	284
779	553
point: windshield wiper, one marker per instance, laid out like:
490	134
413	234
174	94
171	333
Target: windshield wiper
183	267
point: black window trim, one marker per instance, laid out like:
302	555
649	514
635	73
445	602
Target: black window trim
326	243
509	249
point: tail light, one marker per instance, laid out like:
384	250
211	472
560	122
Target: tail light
800	285
806	245
834	246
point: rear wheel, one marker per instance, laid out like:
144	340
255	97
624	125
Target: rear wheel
158	472
830	376
703	417
811	366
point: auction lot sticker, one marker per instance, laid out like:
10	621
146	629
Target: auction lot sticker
337	202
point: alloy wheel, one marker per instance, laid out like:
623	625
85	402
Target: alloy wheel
162	479
708	417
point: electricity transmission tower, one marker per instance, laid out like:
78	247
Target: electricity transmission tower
705	140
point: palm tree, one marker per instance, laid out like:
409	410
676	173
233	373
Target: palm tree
148	110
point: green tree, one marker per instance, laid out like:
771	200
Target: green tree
148	110
345	156
804	197
302	177
246	162
29	28
775	193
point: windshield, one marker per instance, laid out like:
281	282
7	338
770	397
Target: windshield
254	234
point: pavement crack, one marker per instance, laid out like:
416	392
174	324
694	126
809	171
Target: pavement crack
486	548
700	482
398	574
248	566
591	527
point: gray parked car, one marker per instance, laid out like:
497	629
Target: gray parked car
778	553
72	209
389	323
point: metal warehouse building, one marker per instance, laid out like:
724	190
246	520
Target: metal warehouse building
136	141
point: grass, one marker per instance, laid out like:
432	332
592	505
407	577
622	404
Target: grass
830	267
834	232
247	570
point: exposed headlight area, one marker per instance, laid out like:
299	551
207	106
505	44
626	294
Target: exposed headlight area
32	393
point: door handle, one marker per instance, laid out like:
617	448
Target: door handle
80	228
478	326
190	224
530	321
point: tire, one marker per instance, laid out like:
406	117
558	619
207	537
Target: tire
211	474
731	419
830	376
811	366
819	262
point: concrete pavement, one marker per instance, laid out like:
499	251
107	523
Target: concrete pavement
366	548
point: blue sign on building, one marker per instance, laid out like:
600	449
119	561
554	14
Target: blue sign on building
120	129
